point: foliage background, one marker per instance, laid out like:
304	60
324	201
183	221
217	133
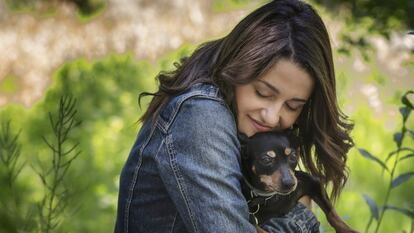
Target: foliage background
107	87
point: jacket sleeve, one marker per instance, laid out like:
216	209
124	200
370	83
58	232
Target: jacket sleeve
202	170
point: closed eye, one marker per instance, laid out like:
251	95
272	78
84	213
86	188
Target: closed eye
294	107
260	94
293	160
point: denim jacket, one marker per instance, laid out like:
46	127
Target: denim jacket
183	173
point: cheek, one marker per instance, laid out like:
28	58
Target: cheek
246	99
242	102
289	120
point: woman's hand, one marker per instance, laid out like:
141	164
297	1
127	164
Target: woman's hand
307	201
260	230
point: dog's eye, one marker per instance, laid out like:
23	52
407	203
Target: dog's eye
266	160
293	159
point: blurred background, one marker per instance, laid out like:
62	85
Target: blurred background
60	176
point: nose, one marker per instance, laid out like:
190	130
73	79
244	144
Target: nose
288	182
287	178
271	114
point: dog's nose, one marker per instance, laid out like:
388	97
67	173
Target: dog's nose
287	179
287	182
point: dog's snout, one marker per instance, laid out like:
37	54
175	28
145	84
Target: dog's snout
287	179
288	182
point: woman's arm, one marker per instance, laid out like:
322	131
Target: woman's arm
200	167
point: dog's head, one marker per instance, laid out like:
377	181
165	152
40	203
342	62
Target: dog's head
269	159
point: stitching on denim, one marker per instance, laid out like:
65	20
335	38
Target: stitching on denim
178	177
208	93
302	213
160	123
180	103
164	125
300	225
173	224
181	100
159	148
134	181
217	92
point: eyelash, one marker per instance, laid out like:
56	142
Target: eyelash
263	96
260	95
291	109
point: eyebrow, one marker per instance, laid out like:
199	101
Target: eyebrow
277	90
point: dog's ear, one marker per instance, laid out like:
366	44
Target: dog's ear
243	144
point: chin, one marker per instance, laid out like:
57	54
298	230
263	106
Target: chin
248	133
244	128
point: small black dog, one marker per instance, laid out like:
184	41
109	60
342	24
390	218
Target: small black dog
272	186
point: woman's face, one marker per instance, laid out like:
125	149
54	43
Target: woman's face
273	101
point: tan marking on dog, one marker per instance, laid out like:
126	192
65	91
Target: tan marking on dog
268	181
271	154
254	170
288	151
273	182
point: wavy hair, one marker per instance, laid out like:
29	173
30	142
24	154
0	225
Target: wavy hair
280	29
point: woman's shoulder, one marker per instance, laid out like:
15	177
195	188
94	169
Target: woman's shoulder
199	102
206	90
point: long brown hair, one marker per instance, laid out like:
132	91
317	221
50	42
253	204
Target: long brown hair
280	29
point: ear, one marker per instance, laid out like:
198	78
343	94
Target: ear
243	144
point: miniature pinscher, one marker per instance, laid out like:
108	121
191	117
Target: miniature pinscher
272	185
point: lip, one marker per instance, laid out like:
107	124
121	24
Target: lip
258	126
280	191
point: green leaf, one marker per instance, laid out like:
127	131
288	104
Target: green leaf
372	206
406	212
369	223
411	133
398	137
405	112
396	152
407	156
369	156
406	101
401	179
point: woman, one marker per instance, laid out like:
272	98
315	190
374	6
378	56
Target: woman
274	71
